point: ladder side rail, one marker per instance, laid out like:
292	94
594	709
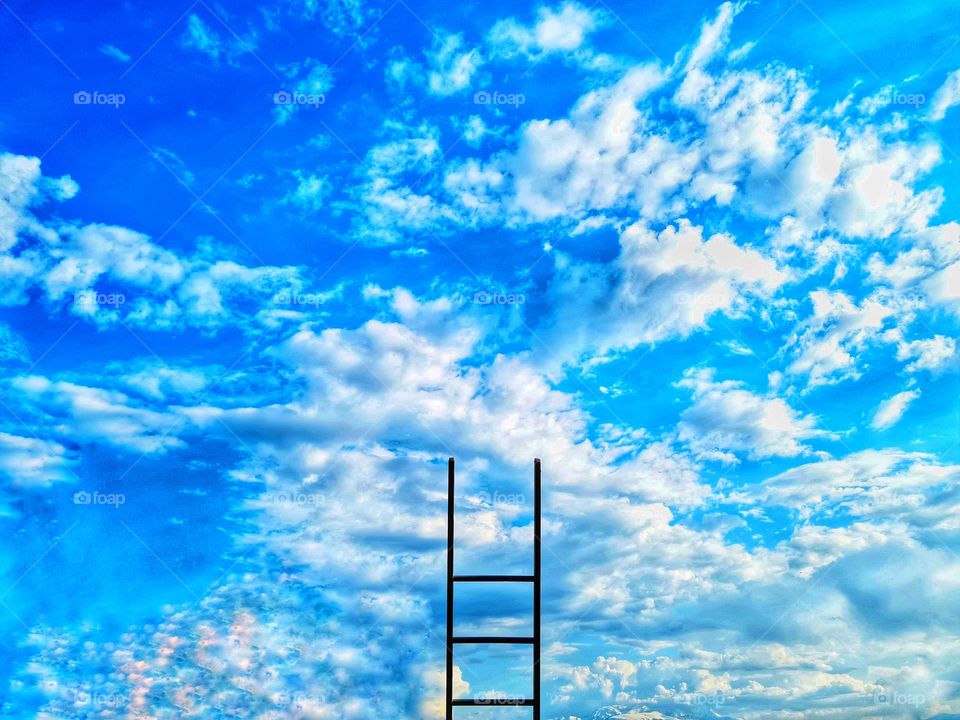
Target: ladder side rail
449	676
536	588
533	702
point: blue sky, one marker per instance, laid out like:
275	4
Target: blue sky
265	266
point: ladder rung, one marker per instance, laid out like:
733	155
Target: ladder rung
493	578
499	640
524	702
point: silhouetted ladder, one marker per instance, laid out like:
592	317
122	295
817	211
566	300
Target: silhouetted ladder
534	640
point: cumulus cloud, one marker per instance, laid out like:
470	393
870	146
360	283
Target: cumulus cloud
107	273
32	462
563	29
750	141
943	287
451	67
310	193
875	484
892	409
946	96
662	285
98	414
714	36
825	345
927	354
726	419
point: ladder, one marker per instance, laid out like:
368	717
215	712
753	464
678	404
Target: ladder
453	579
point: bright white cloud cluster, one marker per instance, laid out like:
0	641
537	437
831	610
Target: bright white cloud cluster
31	462
726	419
561	29
107	273
662	285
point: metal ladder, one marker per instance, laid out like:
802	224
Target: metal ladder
452	579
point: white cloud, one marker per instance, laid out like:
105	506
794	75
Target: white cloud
13	348
374	412
714	36
311	81
199	36
114	52
892	409
159	382
341	17
561	30
928	354
826	344
599	158
450	67
877	484
661	285
311	192
875	197
726	419
750	141
99	415
943	287
32	462
946	96
107	273
22	187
